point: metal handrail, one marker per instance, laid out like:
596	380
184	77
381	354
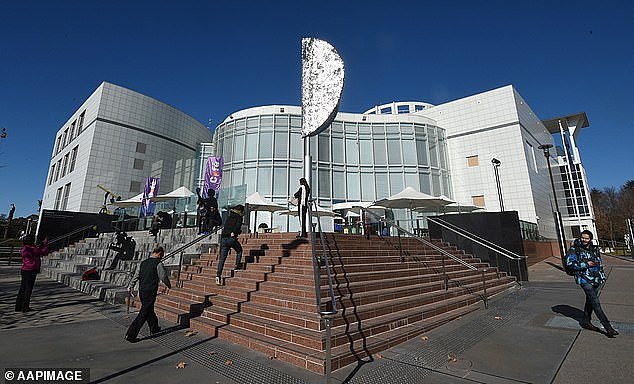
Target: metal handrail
477	239
68	235
181	250
485	243
436	248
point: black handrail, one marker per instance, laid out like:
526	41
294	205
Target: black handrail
436	248
68	235
484	242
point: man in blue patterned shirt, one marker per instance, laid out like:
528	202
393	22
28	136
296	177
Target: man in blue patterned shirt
585	260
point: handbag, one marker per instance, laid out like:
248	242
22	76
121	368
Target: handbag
293	200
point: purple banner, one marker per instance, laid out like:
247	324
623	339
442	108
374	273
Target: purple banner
213	174
151	190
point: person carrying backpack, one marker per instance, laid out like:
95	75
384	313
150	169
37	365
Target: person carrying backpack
584	259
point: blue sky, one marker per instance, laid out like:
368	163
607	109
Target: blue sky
212	58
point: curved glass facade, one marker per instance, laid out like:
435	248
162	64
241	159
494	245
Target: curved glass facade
359	158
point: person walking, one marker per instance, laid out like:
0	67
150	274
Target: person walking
31	264
303	199
584	259
229	239
150	272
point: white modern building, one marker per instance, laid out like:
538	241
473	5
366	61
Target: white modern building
117	138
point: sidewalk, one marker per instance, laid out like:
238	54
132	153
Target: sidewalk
527	335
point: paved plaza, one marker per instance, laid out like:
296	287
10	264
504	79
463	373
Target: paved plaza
530	334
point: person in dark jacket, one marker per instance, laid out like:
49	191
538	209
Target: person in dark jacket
303	199
585	259
208	213
229	239
150	272
31	263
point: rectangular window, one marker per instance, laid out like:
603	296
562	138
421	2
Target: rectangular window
265	150
65	165
52	174
379	152
352	152
403	109
59	167
65	137
472	161
532	154
478	201
65	198
58	145
58	198
337	150
81	122
73	159
324	148
281	144
138	164
141	147
135	186
71	135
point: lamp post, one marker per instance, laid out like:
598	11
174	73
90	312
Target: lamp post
496	164
561	237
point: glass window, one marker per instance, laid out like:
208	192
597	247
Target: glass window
138	164
365	151
386	110
338	185
379	152
394	151
382	186
238	151
403	109
71	136
280	181
227	152
237	177
407	128
65	198
52	174
378	129
81	122
253	122
411	180
240	125
281	144
141	147
297	146
446	185
58	169
367	186
353	187
396	182
135	186
252	146
65	164
352	152
421	152
324	184
73	159
409	150
266	121
433	149
336	127
425	183
65	137
435	181
295	175
324	148
337	150
296	122
58	198
264	180
250	180
281	122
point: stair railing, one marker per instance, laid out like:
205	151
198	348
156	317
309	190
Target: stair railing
499	250
65	238
444	254
181	250
327	314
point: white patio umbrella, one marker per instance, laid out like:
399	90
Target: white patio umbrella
178	193
257	202
409	198
131	202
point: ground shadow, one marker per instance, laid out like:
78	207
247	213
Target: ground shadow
568	311
559	267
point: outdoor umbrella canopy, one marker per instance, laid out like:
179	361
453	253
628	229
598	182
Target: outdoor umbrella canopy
178	193
410	198
131	202
257	202
450	208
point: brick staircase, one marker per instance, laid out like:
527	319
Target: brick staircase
270	306
68	264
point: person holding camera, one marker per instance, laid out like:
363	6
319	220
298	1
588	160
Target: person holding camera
31	264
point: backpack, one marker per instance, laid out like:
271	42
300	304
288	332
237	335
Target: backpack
568	269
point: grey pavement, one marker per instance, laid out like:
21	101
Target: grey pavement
529	334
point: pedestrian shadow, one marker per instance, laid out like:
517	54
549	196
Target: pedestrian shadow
559	267
570	312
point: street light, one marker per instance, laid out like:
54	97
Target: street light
496	164
561	237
